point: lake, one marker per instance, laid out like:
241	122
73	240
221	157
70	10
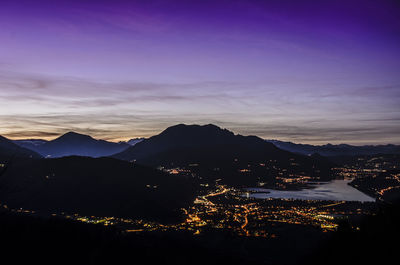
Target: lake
335	190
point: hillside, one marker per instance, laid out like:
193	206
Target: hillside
94	186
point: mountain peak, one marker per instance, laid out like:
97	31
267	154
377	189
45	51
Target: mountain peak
71	133
72	143
185	137
196	129
74	135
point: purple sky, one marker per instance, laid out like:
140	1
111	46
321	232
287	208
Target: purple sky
304	71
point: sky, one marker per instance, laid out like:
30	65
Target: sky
303	71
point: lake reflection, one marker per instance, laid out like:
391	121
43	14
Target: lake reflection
335	190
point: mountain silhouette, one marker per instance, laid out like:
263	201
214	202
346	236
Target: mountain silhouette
8	150
31	144
73	143
186	136
336	150
134	141
211	148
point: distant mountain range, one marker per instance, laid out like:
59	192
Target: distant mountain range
73	144
190	136
30	143
10	150
336	150
134	141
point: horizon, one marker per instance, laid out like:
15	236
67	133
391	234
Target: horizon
223	128
309	72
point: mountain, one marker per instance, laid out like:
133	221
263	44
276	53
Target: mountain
336	150
215	153
135	141
94	186
132	141
8	150
74	144
31	144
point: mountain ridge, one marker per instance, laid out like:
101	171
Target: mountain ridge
72	143
336	150
8	149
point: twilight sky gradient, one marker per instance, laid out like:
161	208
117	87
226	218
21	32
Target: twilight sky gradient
304	71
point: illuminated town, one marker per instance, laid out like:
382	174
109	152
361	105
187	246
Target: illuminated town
231	209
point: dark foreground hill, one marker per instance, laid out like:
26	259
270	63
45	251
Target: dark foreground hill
9	150
372	240
74	144
218	153
61	241
94	186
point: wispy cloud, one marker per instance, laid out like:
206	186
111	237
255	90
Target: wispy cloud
42	106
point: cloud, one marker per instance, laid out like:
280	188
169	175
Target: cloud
64	94
34	105
31	134
318	134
